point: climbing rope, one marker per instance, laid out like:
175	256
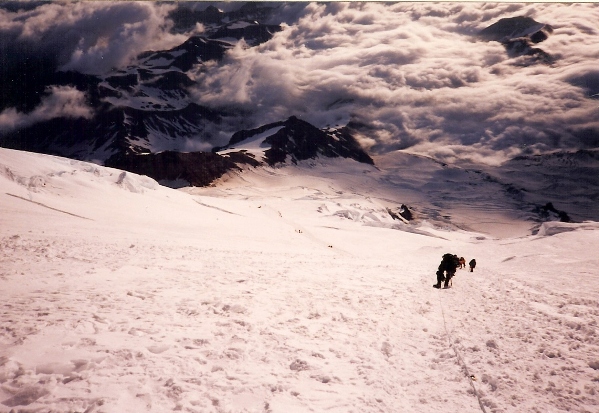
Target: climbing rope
471	378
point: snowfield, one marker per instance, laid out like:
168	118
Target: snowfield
286	290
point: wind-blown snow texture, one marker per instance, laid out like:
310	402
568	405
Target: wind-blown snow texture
284	290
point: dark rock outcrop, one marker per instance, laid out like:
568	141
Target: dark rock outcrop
519	35
548	212
195	50
254	33
299	140
293	139
401	213
196	168
113	131
185	18
516	27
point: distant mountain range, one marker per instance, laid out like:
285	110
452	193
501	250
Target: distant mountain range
145	121
144	108
292	140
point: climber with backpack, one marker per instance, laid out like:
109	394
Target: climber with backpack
447	269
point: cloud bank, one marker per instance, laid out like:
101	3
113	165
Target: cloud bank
89	36
413	76
62	101
407	76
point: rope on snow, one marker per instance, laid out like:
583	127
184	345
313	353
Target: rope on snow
461	360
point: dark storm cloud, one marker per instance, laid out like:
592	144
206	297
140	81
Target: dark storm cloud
415	76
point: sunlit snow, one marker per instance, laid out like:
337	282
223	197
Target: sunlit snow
283	290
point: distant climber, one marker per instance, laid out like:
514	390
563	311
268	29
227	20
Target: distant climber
447	269
472	264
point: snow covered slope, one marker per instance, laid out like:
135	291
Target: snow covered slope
280	290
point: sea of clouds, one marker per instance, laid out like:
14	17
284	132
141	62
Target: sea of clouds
406	75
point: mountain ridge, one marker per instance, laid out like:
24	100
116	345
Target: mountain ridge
143	114
291	140
300	140
142	108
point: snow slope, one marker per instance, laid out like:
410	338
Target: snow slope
282	290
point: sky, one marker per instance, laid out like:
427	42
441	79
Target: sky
409	76
283	290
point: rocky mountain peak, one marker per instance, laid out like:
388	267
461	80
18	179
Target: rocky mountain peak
290	140
515	27
295	140
519	35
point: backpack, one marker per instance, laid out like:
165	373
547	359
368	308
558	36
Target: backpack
450	262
